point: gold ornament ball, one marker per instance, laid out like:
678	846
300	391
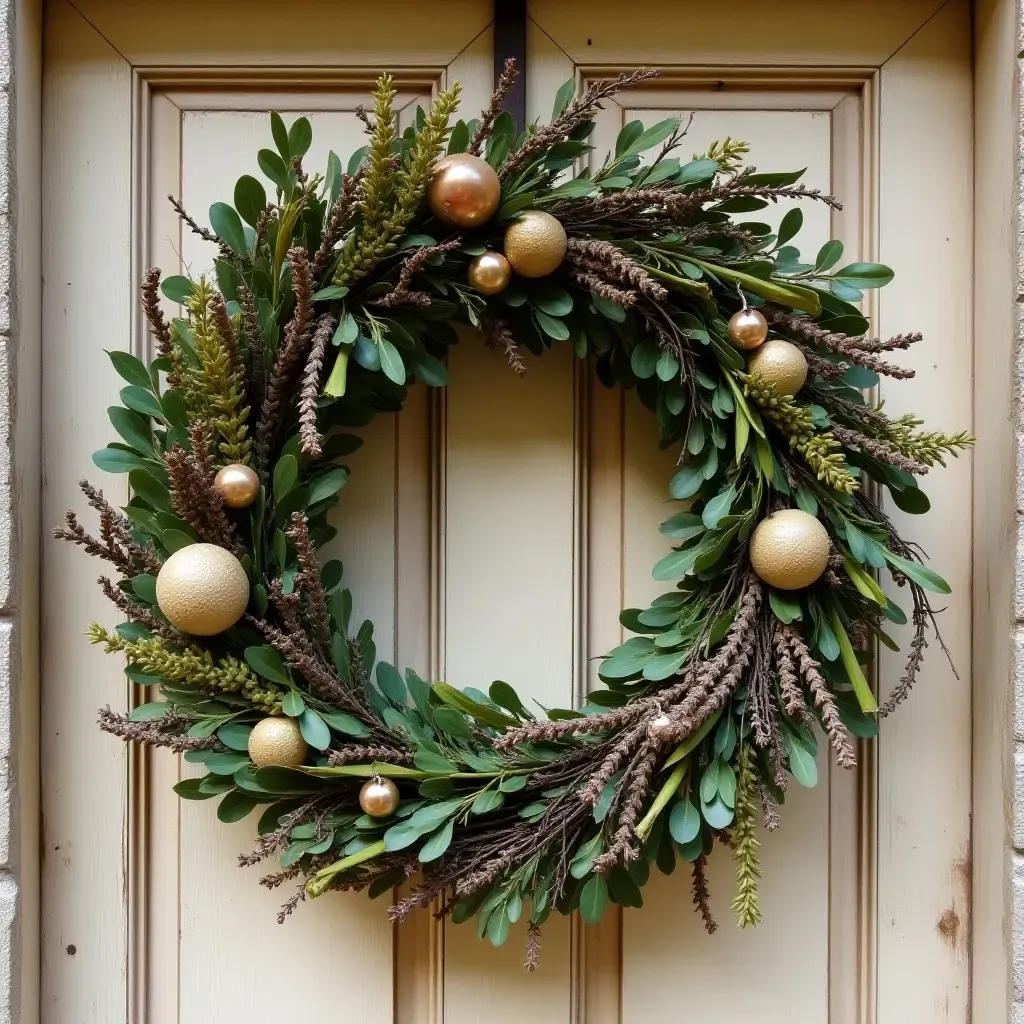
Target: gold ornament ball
202	589
535	244
748	328
379	798
789	550
780	363
490	273
464	190
237	485
277	741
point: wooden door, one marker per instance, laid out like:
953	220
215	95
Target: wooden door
496	529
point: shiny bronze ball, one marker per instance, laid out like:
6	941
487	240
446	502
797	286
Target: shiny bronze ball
237	485
747	328
490	273
277	740
464	190
202	589
535	244
789	550
781	364
379	798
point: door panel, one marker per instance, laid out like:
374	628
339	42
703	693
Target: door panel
497	529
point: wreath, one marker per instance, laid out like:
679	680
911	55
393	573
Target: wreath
327	302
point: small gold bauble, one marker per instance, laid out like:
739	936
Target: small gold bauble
789	550
202	589
535	244
277	740
464	190
780	363
237	485
379	798
747	328
661	729
490	273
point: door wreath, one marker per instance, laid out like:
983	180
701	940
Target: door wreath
326	303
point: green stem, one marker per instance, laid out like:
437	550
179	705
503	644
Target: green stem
318	884
671	784
794	298
865	697
697	287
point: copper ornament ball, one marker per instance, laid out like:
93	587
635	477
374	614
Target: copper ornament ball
781	364
237	485
379	798
490	273
202	589
748	328
464	190
789	550
535	244
278	741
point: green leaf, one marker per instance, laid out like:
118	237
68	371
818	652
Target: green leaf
345	723
435	764
628	134
802	764
280	133
286	472
188	789
144	586
676	563
326	485
594	899
512	784
314	730
452	722
684	822
552	300
250	198
391	683
267	662
300	136
428	369
338	380
347	331
226	763
920	574
149	712
623	889
331	293
860	685
175	540
488	800
553	327
696	170
438	843
786	608
718	814
709	781
865	275
468	706
227	225
566	91
718	507
391	362
131	369
292	704
458	142
790	225
653	135
687	481
177	288
235	806
273	167
133	428
149	489
506	697
828	255
235	735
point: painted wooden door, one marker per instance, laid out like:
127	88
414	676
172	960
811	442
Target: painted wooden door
496	529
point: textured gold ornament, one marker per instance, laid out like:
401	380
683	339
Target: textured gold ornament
535	244
277	740
464	190
202	589
747	328
780	363
237	485
379	798
490	273
789	550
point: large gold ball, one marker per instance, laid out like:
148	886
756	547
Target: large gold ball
535	244
464	190
277	741
789	550
780	363
202	589
748	328
379	798
237	485
490	273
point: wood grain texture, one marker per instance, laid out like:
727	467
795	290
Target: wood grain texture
924	755
87	307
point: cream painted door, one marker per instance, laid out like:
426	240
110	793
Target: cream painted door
497	529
